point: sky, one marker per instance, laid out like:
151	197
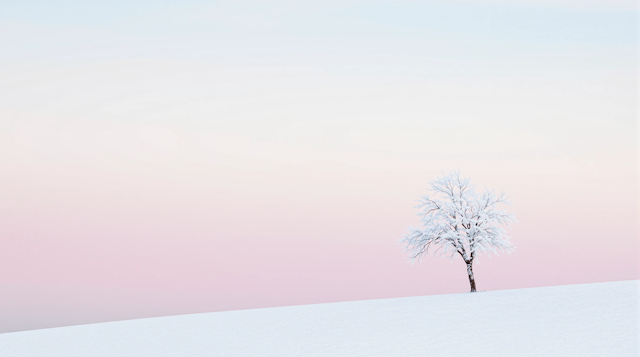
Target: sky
161	158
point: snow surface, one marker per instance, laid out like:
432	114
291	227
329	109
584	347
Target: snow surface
573	320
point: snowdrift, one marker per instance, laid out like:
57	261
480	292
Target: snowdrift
574	320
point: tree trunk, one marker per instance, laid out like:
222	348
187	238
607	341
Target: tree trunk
472	281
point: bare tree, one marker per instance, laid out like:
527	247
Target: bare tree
457	219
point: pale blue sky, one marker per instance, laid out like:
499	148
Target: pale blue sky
48	25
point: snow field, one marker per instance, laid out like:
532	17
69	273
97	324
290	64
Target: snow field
573	320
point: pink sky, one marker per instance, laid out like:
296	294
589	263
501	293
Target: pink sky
85	242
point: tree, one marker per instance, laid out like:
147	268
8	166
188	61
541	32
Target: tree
457	219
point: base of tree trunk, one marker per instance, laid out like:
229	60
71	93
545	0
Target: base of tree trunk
472	281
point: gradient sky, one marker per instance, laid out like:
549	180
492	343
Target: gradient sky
163	158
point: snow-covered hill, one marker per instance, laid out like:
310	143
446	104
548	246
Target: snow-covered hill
574	320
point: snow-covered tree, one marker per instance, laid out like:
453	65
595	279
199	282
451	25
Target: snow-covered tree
457	219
